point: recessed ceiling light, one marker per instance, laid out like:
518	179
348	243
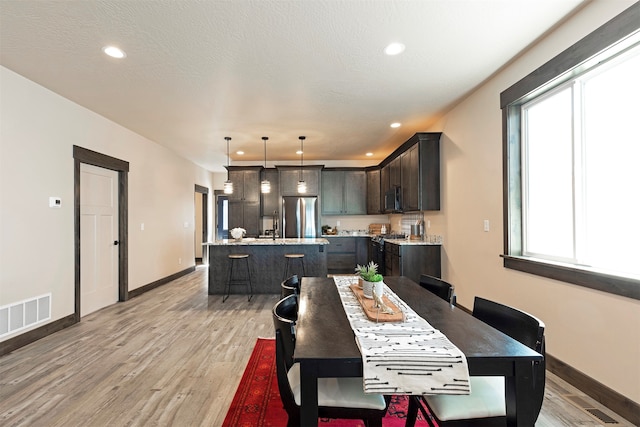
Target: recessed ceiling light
240	153
369	154
394	49
114	52
395	125
298	152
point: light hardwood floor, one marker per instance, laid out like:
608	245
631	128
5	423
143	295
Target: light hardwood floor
170	357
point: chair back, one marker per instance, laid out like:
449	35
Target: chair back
437	286
285	314
290	286
527	329
285	345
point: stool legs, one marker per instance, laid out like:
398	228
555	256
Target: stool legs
232	281
286	267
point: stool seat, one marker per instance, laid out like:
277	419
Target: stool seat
245	278
294	255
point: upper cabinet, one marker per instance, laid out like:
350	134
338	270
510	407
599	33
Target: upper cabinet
290	175
344	192
246	183
415	168
374	199
270	201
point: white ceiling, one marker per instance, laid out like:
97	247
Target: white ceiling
197	71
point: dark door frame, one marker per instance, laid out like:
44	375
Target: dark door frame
83	155
205	214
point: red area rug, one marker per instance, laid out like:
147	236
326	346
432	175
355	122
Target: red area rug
257	401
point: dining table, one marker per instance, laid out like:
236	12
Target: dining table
326	344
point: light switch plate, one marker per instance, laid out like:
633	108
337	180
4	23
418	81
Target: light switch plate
55	202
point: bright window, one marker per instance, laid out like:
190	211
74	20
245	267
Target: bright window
572	163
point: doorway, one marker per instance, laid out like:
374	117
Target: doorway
83	156
201	223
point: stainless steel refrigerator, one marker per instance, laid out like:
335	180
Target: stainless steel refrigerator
299	217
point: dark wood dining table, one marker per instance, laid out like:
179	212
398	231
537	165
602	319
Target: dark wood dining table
326	346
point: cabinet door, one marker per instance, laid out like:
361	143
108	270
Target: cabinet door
374	201
410	179
312	178
251	218
395	173
385	183
270	201
355	193
332	192
236	214
251	188
237	178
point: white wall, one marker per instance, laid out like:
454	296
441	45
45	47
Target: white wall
38	130
595	332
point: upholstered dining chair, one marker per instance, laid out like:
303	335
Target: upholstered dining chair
337	397
485	406
289	286
437	286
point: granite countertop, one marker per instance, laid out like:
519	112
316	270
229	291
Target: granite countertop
349	235
269	242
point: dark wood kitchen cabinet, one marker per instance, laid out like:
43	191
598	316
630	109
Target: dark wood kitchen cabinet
244	202
344	192
374	199
290	175
410	179
270	202
412	260
344	253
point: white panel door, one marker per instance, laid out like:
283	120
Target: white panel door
98	232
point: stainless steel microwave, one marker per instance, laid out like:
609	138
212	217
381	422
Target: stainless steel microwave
392	200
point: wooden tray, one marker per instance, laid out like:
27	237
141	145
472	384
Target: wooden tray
371	312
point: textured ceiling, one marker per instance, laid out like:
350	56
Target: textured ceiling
197	71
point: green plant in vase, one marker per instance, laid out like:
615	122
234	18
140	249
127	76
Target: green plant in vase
369	275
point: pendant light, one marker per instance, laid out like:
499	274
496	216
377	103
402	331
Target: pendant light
228	185
265	185
302	186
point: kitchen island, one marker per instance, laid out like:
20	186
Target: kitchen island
266	261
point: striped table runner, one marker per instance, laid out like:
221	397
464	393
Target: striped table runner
409	357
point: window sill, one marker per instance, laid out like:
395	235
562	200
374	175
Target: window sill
616	285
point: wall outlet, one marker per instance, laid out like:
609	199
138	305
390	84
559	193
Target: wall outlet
337	223
179	260
486	225
142	226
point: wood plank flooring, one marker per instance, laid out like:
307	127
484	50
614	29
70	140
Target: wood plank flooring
170	357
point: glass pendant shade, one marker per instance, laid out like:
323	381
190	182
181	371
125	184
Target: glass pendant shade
228	185
265	185
302	186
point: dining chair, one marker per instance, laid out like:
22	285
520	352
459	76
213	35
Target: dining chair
287	308
337	397
485	406
289	286
437	286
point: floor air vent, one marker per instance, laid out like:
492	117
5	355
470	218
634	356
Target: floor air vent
587	407
21	315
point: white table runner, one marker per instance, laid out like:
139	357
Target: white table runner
409	357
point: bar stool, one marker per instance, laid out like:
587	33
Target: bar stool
292	258
234	259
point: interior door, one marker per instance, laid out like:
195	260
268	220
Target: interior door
98	238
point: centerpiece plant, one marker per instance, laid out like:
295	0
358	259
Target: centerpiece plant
369	276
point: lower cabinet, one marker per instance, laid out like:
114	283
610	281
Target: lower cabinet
412	260
344	253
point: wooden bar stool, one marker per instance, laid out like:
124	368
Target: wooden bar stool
292	258
234	259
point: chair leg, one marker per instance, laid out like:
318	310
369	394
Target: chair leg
228	285
412	412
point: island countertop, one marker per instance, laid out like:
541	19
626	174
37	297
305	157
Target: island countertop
269	242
